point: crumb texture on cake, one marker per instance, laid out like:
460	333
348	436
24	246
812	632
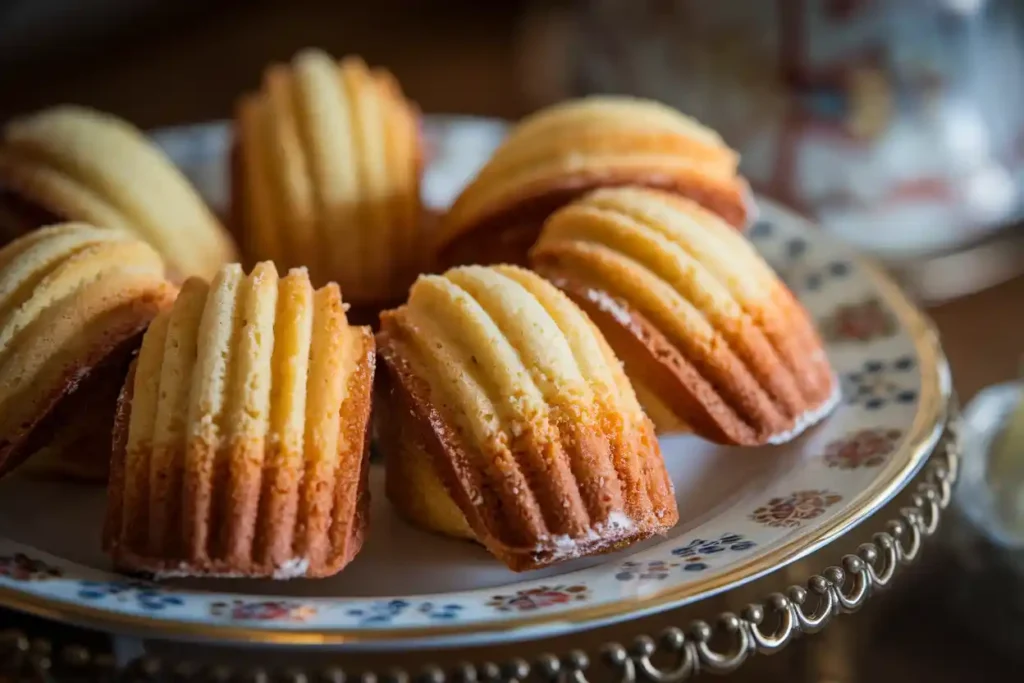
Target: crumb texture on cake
241	442
327	175
526	416
565	150
82	165
70	296
709	335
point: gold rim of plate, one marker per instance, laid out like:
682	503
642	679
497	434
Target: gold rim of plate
921	438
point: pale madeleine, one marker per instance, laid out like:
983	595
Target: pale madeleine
565	150
76	164
507	419
73	300
241	446
326	175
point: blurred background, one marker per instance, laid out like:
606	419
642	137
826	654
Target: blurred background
898	124
164	62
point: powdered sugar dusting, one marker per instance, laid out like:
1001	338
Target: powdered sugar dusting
293	568
565	547
619	521
808	419
609	306
184	571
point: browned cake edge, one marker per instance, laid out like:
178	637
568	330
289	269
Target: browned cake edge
20	214
652	359
355	429
140	312
507	231
90	412
399	431
410	396
119	443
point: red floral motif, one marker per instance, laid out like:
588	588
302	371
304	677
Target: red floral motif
860	322
790	511
865	448
270	610
538	598
21	567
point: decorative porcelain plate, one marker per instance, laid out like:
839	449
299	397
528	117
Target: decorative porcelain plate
744	512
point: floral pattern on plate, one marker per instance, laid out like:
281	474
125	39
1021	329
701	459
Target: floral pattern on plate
803	274
263	610
21	567
146	595
878	383
537	598
386	611
696	555
793	510
859	322
651	570
864	448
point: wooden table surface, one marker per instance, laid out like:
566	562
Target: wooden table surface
464	60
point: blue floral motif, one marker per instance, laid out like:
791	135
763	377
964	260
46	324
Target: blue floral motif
380	612
879	383
796	247
441	612
385	611
799	274
653	570
146	595
694	555
761	230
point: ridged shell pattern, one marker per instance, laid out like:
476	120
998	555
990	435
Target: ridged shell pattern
241	444
569	148
709	335
69	296
82	165
537	434
328	174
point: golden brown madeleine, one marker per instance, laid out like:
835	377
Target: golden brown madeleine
712	340
561	152
241	441
327	176
76	164
73	300
508	419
